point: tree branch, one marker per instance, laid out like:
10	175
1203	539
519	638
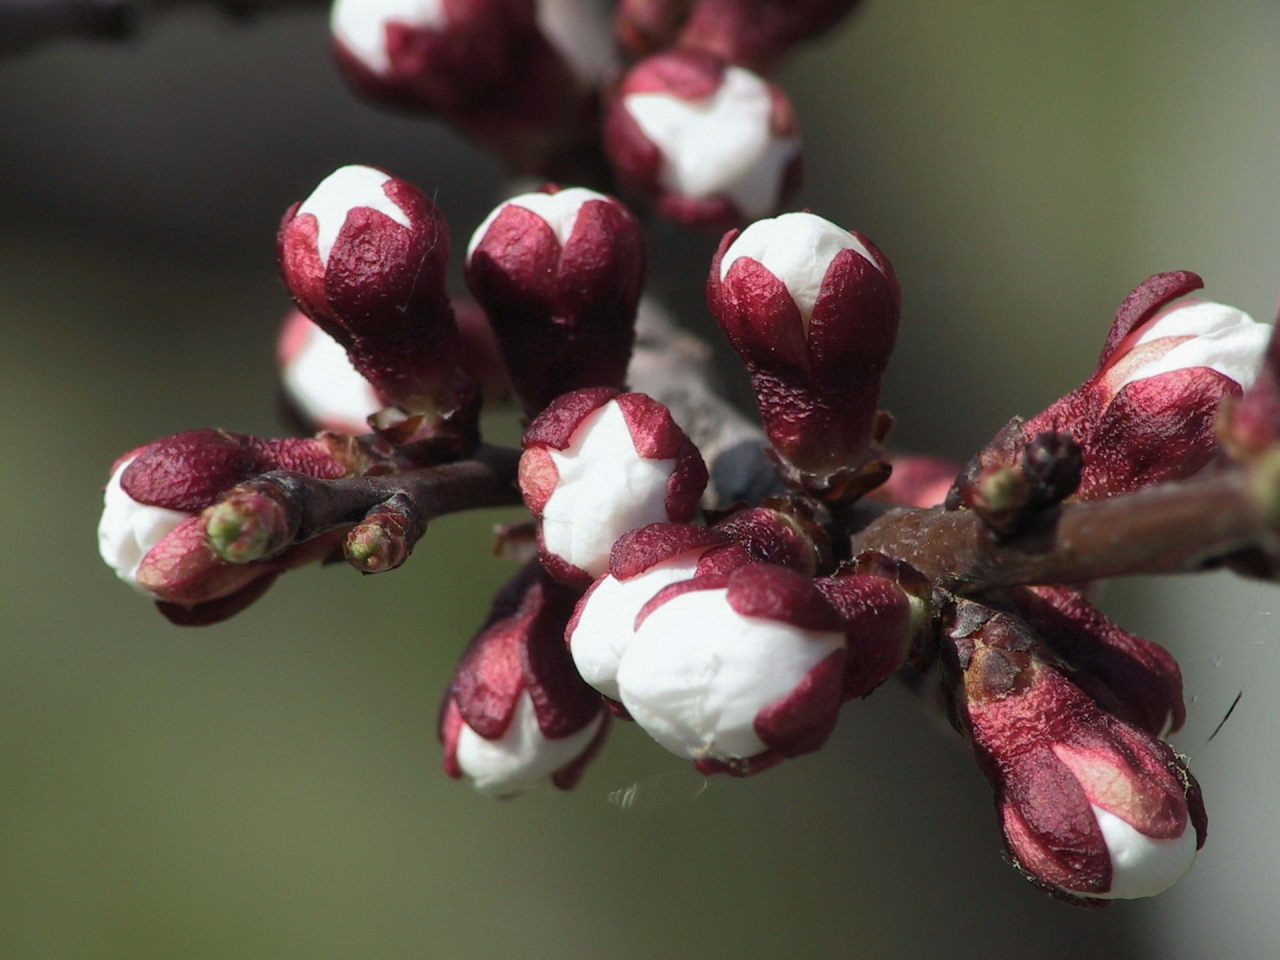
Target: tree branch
1175	528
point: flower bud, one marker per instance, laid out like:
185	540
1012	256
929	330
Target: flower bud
516	713
1149	413
1092	808
917	480
559	272
885	609
641	563
323	389
482	65
759	33
598	464
1133	678
736	672
712	145
812	310
152	534
364	257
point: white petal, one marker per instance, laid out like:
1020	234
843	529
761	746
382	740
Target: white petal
1234	351
605	489
1140	865
1195	320
696	673
719	145
797	248
322	382
341	192
128	529
522	757
361	25
607	622
559	210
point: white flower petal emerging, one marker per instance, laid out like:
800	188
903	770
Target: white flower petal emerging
559	210
326	387
340	193
697	673
720	145
522	757
1140	865
1222	338
361	25
607	622
605	489
797	248
128	529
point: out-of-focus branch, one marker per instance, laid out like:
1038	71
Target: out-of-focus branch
25	23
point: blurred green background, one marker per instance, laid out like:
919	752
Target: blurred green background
269	788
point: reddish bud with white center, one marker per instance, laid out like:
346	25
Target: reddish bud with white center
645	560
759	33
1131	677
364	256
325	392
1092	809
152	533
1149	413
885	608
711	145
917	480
598	464
812	310
559	273
482	65
516	713
736	672
1253	427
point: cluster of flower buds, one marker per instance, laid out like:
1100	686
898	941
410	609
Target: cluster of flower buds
711	144
1150	411
487	67
159	534
751	33
1092	808
560	273
598	464
812	310
365	256
517	713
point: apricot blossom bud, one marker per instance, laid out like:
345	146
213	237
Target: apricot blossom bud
152	533
736	672
559	273
517	713
598	464
1092	808
485	66
711	145
885	609
322	387
812	310
1149	413
364	256
759	33
1129	676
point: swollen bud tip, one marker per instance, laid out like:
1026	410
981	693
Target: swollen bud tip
246	526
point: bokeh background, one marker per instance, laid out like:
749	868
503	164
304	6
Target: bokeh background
269	788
